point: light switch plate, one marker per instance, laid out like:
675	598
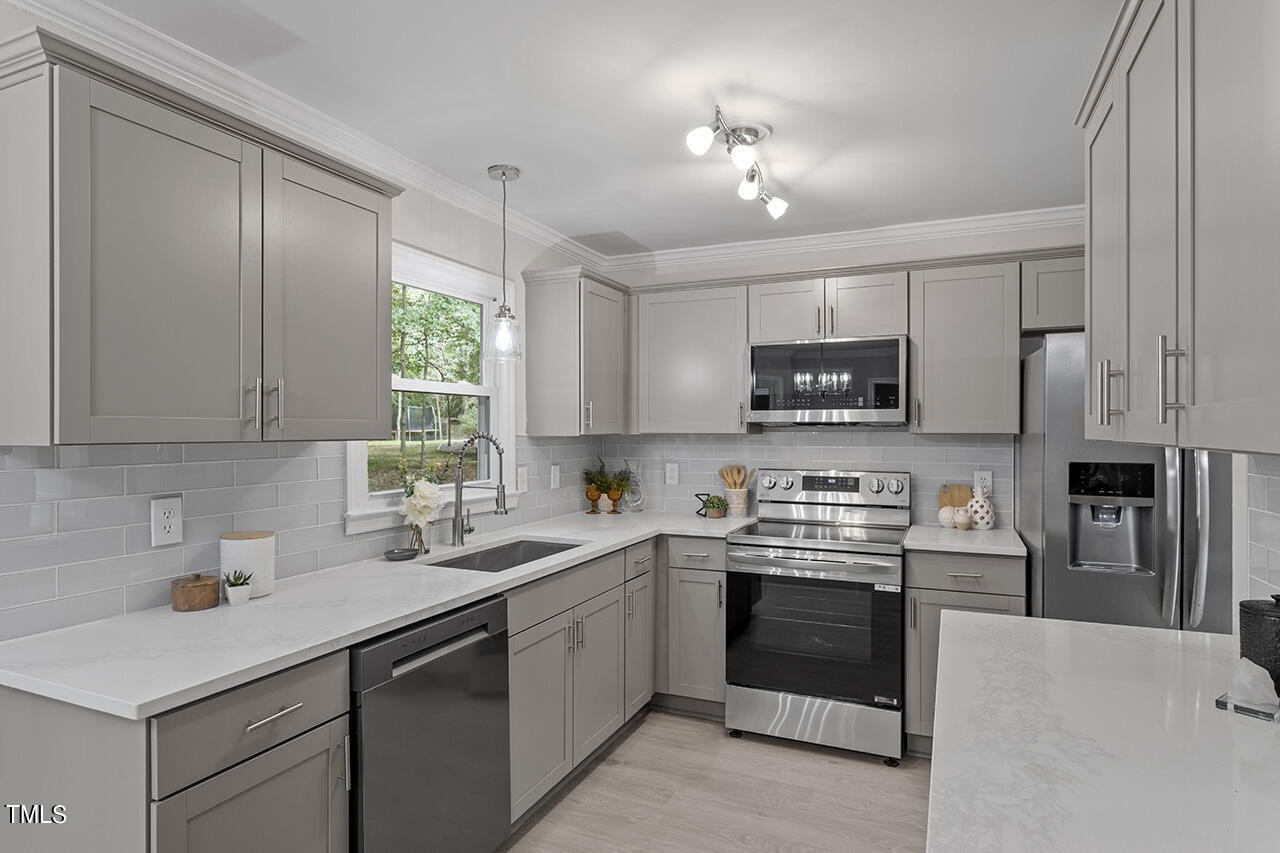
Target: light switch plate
980	479
166	520
672	474
522	478
555	476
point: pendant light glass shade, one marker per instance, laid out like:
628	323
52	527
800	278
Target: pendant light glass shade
774	205
502	336
742	155
749	189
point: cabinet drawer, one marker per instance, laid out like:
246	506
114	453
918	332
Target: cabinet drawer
640	558
695	552
538	601
197	741
967	573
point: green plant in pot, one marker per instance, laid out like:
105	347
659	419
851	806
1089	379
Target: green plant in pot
598	484
713	506
238	587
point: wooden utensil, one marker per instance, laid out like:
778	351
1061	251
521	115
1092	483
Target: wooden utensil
724	477
750	477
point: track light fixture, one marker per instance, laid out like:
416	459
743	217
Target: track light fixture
740	140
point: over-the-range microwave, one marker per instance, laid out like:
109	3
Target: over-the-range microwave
844	381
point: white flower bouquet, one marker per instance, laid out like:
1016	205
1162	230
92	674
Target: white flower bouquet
421	500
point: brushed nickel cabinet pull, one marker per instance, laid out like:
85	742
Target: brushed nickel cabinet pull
252	727
818	330
1163	354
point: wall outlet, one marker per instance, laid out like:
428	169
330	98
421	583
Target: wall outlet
522	478
555	476
166	520
980	479
672	474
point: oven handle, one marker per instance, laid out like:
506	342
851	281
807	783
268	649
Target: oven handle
856	571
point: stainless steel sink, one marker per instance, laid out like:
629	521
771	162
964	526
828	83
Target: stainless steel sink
499	558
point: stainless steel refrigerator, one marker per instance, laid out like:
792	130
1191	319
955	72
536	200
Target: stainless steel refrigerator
1128	534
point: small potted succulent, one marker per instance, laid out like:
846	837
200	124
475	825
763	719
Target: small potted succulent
598	484
619	484
238	588
713	506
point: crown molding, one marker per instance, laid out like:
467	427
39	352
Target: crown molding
151	53
887	235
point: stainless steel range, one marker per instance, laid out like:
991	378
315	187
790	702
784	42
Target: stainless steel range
813	644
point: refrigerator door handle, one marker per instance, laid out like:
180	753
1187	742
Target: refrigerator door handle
1169	609
1201	576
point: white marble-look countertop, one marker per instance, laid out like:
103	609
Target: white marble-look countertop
1068	736
143	663
998	542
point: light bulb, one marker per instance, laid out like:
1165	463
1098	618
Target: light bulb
699	139
503	340
775	206
749	189
503	343
742	155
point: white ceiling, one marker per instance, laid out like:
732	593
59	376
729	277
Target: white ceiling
884	111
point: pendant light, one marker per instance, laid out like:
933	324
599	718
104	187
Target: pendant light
502	338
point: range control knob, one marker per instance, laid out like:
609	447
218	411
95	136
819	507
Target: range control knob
785	482
876	486
895	487
767	481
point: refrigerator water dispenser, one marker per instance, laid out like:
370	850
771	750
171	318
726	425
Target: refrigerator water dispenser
1112	519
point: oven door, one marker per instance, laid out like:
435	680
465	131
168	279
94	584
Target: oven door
815	623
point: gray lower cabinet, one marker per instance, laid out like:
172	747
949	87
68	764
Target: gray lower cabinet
696	625
541	670
294	797
964	355
936	582
566	676
639	642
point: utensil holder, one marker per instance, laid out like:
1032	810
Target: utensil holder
739	500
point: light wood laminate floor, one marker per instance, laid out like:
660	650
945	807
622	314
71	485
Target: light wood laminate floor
681	784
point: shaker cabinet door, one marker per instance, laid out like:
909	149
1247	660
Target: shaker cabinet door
639	642
867	306
326	305
541	674
159	272
697	634
785	311
604	357
294	797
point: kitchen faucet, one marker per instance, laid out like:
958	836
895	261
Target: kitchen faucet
462	527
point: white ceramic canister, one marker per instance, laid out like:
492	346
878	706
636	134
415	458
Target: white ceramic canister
251	551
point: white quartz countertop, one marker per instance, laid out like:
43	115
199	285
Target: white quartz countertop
143	663
999	542
1068	736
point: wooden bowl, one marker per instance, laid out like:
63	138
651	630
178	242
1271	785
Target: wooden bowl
195	592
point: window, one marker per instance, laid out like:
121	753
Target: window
443	391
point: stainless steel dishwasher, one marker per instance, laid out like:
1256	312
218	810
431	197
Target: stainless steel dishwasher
432	750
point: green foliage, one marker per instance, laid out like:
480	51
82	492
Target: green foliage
598	476
715	502
237	578
434	336
621	480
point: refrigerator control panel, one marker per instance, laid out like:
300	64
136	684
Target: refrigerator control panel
1112	479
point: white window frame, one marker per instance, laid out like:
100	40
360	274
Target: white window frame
367	511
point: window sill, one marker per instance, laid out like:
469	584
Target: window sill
388	517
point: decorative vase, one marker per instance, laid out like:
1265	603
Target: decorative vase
615	495
593	495
947	516
715	513
961	518
417	541
237	595
738	500
981	513
634	499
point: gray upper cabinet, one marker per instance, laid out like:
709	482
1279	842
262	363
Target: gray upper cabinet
696	625
170	267
576	354
1181	308
326	305
1053	294
294	797
964	359
640	644
786	311
852	306
692	355
867	306
159	272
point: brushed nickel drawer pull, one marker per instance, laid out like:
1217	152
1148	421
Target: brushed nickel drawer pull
703	556
964	574
277	715
346	762
643	560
